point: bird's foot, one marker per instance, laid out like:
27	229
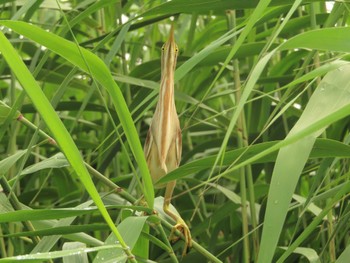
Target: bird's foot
182	227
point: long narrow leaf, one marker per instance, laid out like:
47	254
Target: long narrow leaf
93	65
54	123
332	94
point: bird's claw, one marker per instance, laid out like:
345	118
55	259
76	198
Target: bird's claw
183	228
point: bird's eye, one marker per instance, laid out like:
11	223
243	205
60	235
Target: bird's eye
176	50
163	48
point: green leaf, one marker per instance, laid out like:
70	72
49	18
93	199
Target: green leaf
44	214
309	253
323	148
5	111
130	229
344	257
61	230
335	39
214	6
93	65
52	121
8	162
332	94
56	161
40	257
47	242
75	258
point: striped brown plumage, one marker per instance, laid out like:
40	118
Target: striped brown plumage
163	145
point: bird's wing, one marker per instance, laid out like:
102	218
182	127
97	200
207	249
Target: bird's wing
178	146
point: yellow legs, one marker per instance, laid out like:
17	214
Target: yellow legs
180	223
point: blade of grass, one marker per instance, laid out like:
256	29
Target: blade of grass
344	257
323	148
330	96
100	72
131	229
57	128
39	257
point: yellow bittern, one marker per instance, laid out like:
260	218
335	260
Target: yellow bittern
163	145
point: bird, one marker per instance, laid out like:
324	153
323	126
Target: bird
163	145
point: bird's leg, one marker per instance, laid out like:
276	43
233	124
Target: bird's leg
180	223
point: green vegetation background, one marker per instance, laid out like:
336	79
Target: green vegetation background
263	95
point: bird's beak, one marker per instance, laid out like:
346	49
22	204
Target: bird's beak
171	37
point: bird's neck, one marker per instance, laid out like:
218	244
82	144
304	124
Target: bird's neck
166	92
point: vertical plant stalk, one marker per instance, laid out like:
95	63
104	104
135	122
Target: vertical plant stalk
2	245
243	142
12	147
231	15
314	26
330	228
